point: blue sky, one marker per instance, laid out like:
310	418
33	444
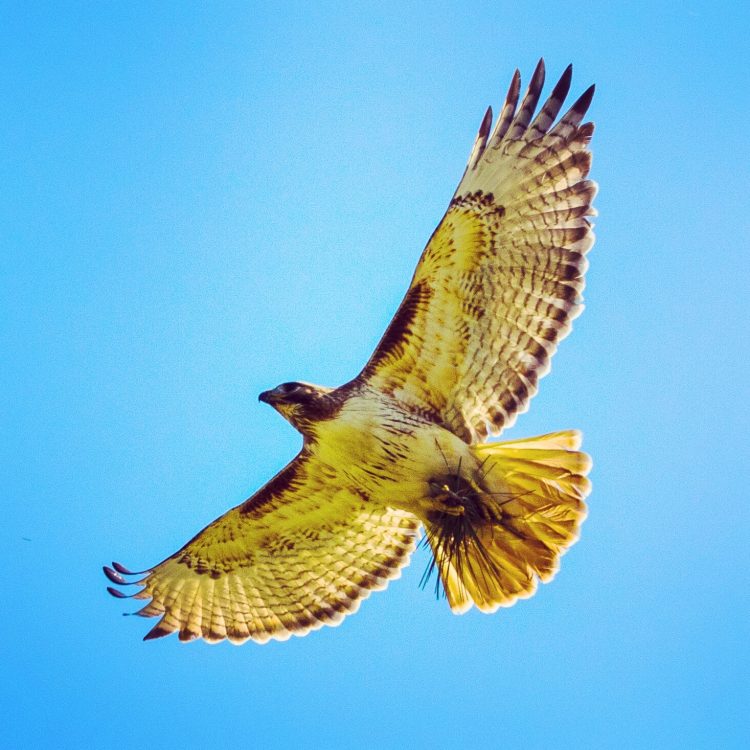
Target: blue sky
203	200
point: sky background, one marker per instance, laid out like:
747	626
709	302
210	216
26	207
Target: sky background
201	201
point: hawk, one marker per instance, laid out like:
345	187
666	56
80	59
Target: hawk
404	445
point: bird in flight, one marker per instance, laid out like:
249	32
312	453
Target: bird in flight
404	445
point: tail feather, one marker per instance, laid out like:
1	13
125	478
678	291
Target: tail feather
526	512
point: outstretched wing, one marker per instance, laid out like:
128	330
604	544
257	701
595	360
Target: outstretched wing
303	552
500	280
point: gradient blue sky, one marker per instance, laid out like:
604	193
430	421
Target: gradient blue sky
203	200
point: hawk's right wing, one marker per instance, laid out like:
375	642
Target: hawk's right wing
302	552
500	280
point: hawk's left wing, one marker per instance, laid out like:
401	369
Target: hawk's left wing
301	553
500	280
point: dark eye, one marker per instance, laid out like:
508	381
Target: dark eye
287	388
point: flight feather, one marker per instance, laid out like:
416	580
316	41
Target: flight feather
500	280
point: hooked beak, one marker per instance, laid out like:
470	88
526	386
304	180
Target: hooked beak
266	397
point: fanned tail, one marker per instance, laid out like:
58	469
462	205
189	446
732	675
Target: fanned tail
499	534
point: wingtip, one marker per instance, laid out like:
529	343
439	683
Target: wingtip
515	86
484	128
584	100
560	91
114	576
567	76
539	73
120	568
158	631
116	593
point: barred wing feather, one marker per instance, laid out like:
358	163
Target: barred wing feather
303	552
500	280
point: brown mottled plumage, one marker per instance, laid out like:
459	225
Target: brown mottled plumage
400	446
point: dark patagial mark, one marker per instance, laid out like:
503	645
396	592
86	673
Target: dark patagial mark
401	325
284	481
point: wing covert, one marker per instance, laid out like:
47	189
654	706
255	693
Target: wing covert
500	280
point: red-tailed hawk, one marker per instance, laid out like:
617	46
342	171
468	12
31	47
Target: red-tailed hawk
402	446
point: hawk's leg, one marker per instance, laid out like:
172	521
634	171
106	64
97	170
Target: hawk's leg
447	500
456	495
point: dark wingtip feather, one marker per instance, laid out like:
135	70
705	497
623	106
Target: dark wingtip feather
581	105
156	632
117	594
484	128
530	100
508	111
551	108
187	635
586	131
563	85
120	568
536	84
113	576
514	89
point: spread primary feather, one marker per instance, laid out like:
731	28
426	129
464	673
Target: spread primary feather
403	445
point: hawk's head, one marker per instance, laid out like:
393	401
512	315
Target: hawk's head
301	404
